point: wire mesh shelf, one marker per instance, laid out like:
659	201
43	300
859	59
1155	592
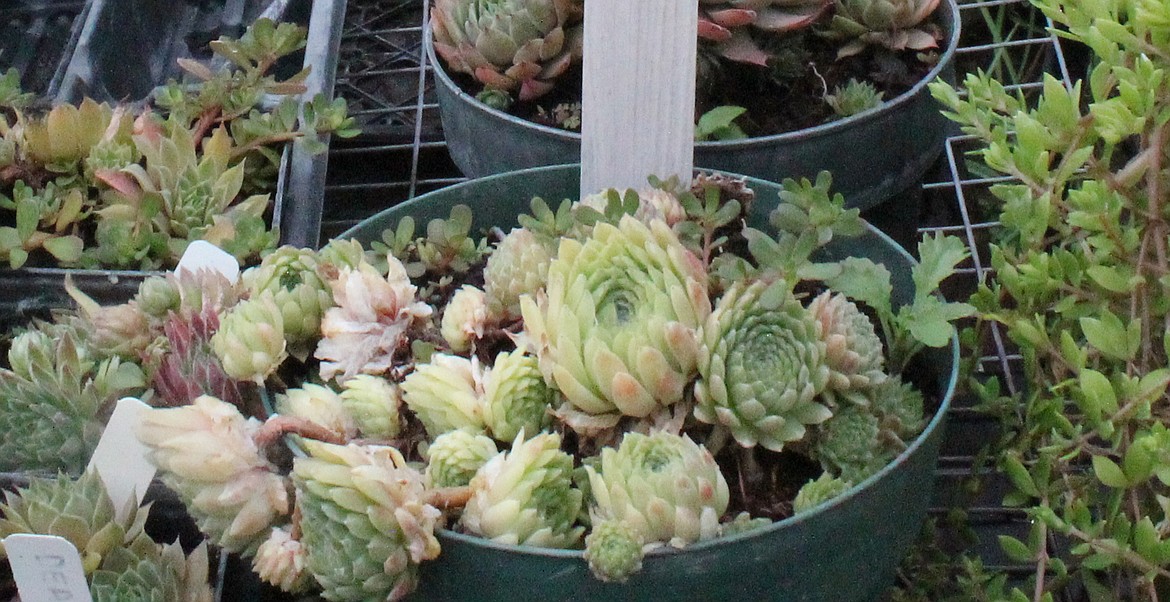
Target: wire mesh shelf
385	77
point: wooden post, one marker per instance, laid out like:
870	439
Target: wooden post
638	102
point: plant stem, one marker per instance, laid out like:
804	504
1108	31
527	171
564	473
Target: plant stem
1041	559
278	426
1129	556
447	498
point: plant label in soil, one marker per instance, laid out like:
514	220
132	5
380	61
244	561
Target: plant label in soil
120	459
201	254
638	92
46	568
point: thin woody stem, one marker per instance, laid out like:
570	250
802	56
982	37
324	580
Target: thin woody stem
278	426
448	498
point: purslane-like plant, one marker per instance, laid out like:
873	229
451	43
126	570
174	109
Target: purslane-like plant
1081	269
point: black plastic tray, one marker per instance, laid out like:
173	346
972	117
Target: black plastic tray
37	38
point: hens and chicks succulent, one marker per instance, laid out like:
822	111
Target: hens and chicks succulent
590	380
129	186
517	49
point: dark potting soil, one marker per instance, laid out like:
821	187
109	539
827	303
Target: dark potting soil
786	96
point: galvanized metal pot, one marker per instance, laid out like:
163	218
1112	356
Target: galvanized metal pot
844	551
873	155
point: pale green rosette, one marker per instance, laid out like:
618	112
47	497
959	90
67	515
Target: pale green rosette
250	341
761	366
445	394
663	486
290	275
526	496
78	510
614	551
516	398
861	438
321	406
616	329
145	571
372	401
853	351
818	491
464	318
365	524
455	456
517	266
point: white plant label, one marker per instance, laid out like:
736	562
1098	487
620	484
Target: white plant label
201	254
120	459
46	568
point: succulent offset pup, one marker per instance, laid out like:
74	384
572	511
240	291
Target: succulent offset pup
644	351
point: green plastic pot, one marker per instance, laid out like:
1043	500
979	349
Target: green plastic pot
844	551
873	155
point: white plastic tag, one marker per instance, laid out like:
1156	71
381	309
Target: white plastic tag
120	459
46	568
202	254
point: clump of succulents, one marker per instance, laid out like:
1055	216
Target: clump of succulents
128	187
652	351
119	560
502	51
53	397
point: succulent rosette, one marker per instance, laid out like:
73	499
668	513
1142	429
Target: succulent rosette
280	560
614	551
52	398
509	45
663	486
79	510
818	491
290	275
372	401
526	496
361	334
515	398
853	351
464	318
446	394
206	453
615	331
321	406
761	366
863	437
455	456
365	523
517	266
145	570
250	341
893	24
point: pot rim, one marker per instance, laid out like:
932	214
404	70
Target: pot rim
950	16
934	424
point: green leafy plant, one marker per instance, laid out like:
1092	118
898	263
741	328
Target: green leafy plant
1081	269
719	124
